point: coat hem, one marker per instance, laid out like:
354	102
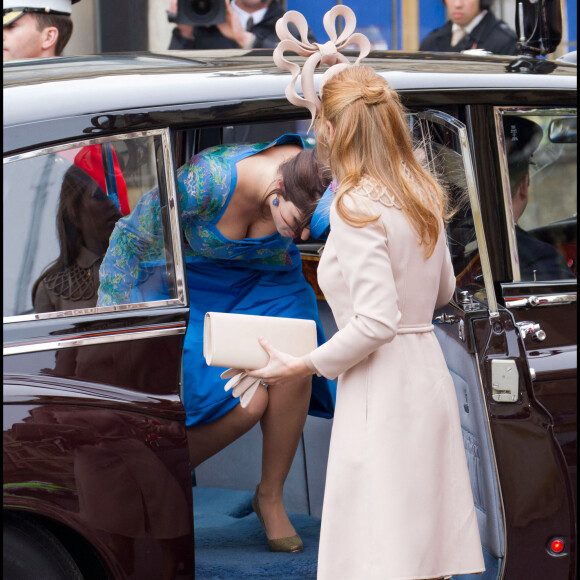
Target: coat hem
436	576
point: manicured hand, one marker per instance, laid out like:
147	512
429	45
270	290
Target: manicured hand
281	368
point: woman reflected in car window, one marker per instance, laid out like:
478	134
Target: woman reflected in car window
85	219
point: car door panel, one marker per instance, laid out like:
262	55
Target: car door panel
473	323
94	425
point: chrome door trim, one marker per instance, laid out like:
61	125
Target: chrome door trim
169	178
541	300
174	221
95	310
504	170
153	331
452	123
82	143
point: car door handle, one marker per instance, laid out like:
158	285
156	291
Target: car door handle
531	329
541	300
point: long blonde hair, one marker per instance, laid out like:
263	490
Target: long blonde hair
372	139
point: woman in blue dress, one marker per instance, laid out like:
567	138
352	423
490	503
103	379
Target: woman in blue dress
241	207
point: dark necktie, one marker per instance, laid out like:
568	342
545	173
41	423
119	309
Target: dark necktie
250	23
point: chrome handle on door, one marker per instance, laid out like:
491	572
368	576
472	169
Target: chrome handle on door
554	299
531	329
541	300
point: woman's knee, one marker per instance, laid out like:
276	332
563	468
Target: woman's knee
257	406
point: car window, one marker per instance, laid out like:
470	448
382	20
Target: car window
61	207
539	151
439	145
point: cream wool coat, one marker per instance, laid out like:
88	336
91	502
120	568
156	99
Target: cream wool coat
398	503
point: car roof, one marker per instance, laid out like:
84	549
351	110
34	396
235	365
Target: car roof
77	85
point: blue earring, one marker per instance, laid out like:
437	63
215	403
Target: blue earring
276	202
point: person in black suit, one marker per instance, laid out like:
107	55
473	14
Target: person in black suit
248	24
538	259
471	25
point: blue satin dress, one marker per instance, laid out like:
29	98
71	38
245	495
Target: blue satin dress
252	276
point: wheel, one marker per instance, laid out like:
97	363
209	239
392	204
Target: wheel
32	552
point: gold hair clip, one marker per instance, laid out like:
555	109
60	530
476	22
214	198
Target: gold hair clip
317	54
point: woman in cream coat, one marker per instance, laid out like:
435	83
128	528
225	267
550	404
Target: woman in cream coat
398	502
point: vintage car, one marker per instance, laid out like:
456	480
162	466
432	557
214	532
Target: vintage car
96	476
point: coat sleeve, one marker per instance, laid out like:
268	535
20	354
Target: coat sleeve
365	265
138	237
135	236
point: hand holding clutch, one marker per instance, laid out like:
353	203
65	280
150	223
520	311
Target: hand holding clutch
241	384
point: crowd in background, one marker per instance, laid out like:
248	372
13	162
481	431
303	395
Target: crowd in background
43	28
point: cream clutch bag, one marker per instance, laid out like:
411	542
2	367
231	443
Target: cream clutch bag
231	340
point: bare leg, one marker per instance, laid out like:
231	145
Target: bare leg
282	426
207	440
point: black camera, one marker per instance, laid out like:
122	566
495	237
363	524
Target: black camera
201	12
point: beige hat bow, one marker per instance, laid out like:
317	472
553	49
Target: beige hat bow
317	54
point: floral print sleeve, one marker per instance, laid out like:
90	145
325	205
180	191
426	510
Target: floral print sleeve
136	237
203	185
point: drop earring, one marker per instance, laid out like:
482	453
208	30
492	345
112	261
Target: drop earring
276	202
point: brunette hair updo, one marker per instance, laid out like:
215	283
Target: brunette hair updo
305	179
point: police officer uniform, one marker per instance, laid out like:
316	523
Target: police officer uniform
490	34
14	9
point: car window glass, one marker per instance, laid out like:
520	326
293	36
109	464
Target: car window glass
439	146
60	210
540	153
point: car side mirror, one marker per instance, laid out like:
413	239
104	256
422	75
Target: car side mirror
538	26
563	130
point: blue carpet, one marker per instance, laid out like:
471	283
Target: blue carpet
230	542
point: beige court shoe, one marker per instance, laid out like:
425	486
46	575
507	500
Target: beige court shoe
291	544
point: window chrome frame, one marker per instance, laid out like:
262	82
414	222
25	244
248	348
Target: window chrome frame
499	113
460	129
174	225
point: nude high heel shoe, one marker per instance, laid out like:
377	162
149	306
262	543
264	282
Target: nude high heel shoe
291	544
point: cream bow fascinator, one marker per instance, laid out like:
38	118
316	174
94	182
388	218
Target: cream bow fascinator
317	54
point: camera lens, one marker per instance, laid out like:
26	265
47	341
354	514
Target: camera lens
201	7
201	12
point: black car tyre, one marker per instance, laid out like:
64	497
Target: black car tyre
31	552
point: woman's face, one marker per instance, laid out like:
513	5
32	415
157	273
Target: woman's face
287	218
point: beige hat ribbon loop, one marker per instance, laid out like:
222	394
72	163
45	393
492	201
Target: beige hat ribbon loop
316	54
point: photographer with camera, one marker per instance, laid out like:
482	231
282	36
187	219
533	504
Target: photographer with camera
209	24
